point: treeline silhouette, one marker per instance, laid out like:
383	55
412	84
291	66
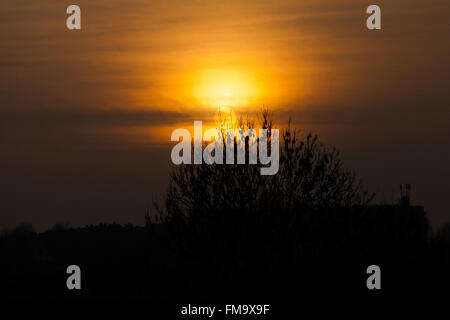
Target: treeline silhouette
226	231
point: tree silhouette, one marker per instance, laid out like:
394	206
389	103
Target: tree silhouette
310	176
239	225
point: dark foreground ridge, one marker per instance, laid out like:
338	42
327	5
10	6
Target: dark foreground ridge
226	234
234	257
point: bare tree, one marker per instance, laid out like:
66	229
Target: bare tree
310	176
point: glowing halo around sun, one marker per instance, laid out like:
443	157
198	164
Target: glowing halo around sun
225	87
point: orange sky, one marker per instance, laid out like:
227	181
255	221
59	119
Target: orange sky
177	54
139	69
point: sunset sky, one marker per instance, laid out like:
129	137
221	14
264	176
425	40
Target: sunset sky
86	115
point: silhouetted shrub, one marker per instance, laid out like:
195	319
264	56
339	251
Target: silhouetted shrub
60	226
235	223
310	176
22	229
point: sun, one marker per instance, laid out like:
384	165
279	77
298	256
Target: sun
225	87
